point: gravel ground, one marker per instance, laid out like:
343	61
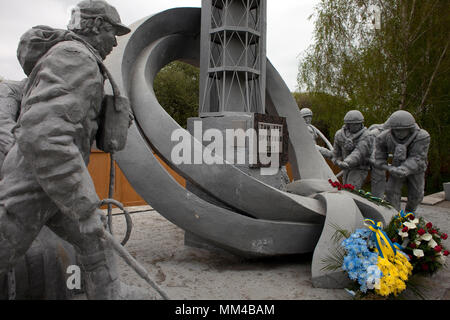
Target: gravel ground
186	273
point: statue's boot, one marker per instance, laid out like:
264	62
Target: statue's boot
102	281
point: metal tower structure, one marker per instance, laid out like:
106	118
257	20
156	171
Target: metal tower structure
233	57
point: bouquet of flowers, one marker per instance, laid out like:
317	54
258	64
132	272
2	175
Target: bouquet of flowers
375	262
421	240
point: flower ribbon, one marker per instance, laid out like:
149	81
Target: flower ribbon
386	248
402	215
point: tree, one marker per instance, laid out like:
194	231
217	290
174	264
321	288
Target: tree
404	64
321	104
177	89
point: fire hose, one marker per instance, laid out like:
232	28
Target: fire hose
119	247
110	202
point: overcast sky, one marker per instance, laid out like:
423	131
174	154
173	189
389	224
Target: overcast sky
289	30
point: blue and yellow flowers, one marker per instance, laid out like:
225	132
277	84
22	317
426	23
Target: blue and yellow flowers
375	262
360	262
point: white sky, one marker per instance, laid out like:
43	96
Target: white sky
289	30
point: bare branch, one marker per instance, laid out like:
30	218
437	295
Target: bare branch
425	96
419	27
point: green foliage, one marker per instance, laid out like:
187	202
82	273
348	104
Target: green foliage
335	259
177	89
321	104
403	65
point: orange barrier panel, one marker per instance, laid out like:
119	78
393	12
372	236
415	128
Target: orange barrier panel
99	169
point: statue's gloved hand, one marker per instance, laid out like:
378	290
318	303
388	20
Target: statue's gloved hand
343	165
95	224
399	172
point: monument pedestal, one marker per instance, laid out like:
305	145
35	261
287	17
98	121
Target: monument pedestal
241	151
239	124
447	191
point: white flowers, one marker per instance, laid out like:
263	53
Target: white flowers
373	279
403	234
411	224
441	258
418	253
426	237
432	243
429	238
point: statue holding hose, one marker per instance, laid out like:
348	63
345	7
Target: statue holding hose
45	177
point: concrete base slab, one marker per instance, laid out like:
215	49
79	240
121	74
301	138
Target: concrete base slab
187	273
430	200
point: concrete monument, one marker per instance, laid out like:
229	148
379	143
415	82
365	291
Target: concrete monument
45	179
232	207
352	149
409	145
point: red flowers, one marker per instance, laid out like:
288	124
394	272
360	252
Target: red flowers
423	235
340	186
349	186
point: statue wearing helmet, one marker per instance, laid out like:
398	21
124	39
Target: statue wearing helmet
409	145
352	149
307	115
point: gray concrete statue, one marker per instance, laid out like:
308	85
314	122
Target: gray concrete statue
10	98
45	179
377	175
352	149
409	145
307	115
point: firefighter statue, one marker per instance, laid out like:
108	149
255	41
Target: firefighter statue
352	148
409	146
45	177
307	115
